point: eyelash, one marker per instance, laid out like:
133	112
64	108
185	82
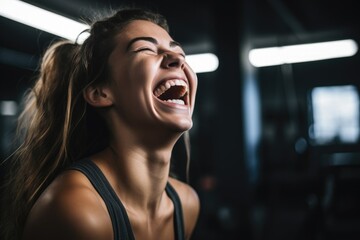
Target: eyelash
145	49
152	50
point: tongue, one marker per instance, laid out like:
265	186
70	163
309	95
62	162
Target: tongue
175	92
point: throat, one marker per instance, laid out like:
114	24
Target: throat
154	226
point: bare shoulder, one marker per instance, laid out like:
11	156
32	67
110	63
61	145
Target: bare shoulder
190	204
187	194
69	209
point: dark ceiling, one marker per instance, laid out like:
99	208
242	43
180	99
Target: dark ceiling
193	21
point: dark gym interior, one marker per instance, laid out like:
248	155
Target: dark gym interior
261	167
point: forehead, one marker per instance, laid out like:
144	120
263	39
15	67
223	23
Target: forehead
142	28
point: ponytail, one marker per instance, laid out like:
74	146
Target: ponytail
45	128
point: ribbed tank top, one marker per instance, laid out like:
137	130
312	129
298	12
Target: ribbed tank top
119	218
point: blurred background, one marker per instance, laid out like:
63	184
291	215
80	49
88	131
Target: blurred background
275	149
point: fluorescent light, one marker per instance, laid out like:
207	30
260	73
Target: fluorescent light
205	62
262	57
44	20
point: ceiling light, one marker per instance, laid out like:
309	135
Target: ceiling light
44	20
205	62
263	57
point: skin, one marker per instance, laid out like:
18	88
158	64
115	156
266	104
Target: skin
144	131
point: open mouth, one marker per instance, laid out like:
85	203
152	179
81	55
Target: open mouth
174	91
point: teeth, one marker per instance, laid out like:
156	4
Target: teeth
168	84
178	101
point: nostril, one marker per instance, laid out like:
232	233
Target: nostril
174	64
173	60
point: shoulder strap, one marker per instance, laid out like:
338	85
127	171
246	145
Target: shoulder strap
116	209
178	215
120	221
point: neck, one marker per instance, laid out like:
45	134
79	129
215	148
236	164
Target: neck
138	163
138	175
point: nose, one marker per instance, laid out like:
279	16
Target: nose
173	60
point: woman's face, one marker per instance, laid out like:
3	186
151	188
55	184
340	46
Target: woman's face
151	84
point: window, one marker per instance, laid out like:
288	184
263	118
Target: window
335	114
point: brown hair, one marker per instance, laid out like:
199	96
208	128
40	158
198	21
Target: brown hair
57	126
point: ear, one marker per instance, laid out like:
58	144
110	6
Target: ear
98	96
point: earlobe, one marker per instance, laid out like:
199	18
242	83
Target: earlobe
98	96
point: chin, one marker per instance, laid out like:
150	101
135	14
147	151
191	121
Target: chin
181	125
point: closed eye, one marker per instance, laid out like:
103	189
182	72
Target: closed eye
145	49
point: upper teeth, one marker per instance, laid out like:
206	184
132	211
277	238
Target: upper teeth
168	84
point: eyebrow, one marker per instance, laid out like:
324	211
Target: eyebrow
152	40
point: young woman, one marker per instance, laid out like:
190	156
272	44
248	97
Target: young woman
98	129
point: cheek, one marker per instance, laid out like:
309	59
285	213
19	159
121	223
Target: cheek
134	80
145	70
134	75
134	84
